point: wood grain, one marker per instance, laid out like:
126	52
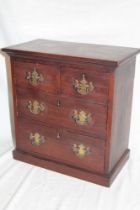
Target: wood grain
60	149
110	69
98	77
98	178
100	54
49	72
62	115
121	112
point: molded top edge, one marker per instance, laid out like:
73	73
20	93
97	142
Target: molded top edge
100	54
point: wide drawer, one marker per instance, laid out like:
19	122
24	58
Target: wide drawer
60	145
85	117
37	76
87	83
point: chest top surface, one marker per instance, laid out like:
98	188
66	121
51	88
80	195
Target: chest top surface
101	54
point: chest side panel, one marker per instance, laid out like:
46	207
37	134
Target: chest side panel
120	107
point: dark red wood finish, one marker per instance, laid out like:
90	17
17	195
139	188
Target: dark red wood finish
49	72
111	69
58	145
62	115
95	74
110	56
98	178
120	101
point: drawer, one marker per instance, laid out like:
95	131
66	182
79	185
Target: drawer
85	83
85	118
61	146
37	76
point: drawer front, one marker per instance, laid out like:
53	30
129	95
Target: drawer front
86	118
85	83
37	76
61	145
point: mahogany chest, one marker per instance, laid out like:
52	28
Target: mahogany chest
72	106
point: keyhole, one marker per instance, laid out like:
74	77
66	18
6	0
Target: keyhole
58	135
58	103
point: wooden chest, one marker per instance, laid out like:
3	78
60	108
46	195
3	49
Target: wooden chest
72	107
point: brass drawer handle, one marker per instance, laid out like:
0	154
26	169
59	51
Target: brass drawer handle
81	117
36	139
34	77
35	107
83	86
80	150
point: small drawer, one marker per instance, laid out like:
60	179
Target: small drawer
61	146
89	83
84	118
37	76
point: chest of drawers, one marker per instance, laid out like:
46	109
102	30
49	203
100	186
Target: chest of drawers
72	107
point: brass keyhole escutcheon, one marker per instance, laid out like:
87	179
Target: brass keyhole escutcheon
34	78
36	139
83	86
80	150
35	107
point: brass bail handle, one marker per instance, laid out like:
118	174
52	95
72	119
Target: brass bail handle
83	86
80	150
36	139
81	117
34	78
35	107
